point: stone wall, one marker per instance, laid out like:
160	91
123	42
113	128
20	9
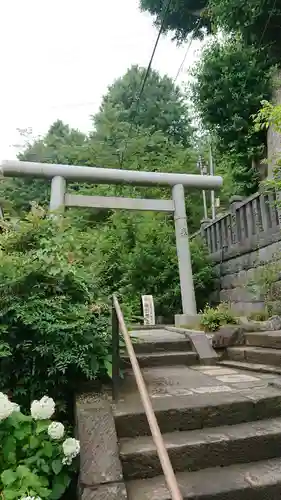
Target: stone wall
240	242
237	276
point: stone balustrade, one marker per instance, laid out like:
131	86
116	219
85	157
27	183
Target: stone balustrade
241	242
250	224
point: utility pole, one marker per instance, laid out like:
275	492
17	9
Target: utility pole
212	173
203	171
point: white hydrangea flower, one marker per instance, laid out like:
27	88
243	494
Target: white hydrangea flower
71	447
67	460
56	430
43	409
6	406
30	498
16	407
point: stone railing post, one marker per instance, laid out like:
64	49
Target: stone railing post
235	202
206	235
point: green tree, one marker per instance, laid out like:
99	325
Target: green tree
138	256
230	82
182	17
162	106
146	149
61	144
258	21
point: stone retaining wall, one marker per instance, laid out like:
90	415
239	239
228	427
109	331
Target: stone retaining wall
237	276
240	242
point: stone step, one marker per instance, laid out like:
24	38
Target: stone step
194	450
183	413
170	345
260	355
148	341
255	481
164	359
264	339
253	367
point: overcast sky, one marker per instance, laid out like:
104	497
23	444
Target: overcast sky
59	56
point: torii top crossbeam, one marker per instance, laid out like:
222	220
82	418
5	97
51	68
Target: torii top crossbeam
98	175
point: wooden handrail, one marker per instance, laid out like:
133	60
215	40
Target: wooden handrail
152	421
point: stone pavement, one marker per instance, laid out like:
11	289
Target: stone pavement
169	381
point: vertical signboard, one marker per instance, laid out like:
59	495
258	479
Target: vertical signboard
148	309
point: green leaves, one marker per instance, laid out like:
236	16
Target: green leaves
8	477
22	481
59	485
9	448
47	449
181	18
108	366
57	466
230	82
162	109
41	426
214	317
33	442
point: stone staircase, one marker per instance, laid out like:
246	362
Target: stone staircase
158	347
261	352
221	426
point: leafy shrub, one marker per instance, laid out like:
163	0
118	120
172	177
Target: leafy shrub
214	317
54	331
266	285
36	460
137	255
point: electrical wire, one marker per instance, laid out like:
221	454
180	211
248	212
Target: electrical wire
144	80
192	35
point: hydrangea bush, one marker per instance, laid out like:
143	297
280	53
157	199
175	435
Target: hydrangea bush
37	460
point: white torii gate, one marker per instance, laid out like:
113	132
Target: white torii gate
60	199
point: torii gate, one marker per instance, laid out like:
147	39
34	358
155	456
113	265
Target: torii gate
60	199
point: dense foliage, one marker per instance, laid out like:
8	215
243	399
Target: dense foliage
258	22
54	332
231	81
234	72
182	17
162	107
138	255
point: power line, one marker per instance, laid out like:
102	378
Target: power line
268	21
192	35
146	75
